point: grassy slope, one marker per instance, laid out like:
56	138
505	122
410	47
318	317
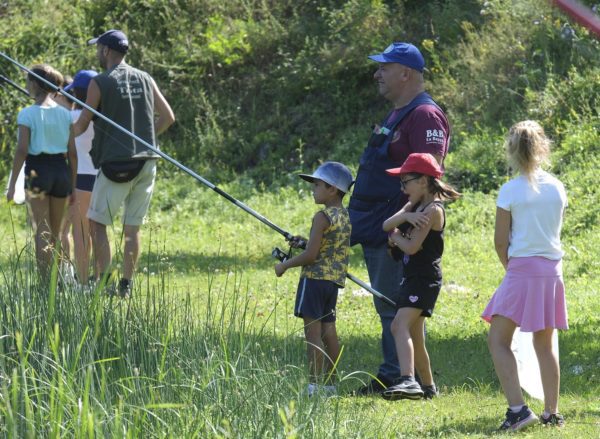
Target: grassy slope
238	335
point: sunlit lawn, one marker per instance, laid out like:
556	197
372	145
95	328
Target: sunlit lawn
209	345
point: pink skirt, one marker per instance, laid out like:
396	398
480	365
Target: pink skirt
532	295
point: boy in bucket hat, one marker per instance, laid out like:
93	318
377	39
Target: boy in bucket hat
324	265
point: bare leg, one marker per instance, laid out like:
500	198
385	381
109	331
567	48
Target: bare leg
332	348
57	210
39	206
101	246
422	364
314	348
81	234
499	341
401	330
131	250
65	242
549	368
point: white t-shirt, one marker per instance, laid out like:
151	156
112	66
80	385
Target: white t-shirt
536	215
83	144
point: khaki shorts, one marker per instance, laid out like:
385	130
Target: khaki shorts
108	197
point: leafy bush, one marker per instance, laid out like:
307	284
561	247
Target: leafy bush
267	87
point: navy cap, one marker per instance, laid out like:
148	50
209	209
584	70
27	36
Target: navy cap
113	39
401	53
82	79
334	173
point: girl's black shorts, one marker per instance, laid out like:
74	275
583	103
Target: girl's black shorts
47	174
419	292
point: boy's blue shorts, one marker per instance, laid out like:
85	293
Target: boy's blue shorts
316	299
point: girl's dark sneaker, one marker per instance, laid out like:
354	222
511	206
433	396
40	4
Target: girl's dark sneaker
555	420
374	387
407	388
518	421
430	392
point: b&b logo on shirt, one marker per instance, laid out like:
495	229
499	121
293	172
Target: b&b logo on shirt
435	136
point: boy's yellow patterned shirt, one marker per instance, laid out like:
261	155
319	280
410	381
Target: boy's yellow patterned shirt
332	262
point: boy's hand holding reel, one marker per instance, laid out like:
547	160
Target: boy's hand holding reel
295	242
300	242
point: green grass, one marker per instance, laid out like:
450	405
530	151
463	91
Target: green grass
209	346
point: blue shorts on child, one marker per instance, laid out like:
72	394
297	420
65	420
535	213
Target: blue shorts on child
316	299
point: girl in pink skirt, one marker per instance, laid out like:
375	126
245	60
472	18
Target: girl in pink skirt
529	216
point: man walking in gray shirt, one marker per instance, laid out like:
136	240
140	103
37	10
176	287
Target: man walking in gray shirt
130	98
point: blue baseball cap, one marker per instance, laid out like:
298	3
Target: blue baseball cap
82	79
113	39
401	53
334	173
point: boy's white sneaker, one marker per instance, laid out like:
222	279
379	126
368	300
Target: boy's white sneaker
314	389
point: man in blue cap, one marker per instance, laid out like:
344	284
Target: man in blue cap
130	98
416	124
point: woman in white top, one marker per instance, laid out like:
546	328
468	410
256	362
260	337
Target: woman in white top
529	217
86	176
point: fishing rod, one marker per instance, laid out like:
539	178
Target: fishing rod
288	236
16	86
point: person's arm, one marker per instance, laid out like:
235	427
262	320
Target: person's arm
166	117
502	235
308	256
20	156
93	101
417	219
429	132
412	245
72	157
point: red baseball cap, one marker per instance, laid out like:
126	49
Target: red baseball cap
418	163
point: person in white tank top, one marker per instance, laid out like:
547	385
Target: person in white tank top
78	223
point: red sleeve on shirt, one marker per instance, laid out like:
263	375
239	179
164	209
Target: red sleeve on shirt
425	129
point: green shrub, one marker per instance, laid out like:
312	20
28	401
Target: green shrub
268	87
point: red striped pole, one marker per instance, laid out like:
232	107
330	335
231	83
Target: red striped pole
581	14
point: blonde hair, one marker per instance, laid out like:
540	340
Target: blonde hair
527	147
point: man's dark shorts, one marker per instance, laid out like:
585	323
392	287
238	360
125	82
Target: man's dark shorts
419	292
47	174
316	299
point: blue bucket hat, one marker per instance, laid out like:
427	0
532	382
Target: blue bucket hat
334	173
113	39
82	79
401	53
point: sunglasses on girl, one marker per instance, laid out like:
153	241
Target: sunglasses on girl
403	182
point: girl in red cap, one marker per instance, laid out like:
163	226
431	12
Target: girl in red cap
417	230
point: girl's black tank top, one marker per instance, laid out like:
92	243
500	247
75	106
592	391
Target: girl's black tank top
427	261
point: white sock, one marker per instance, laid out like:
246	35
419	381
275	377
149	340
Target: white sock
516	408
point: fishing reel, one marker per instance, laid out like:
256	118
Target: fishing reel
295	242
280	255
